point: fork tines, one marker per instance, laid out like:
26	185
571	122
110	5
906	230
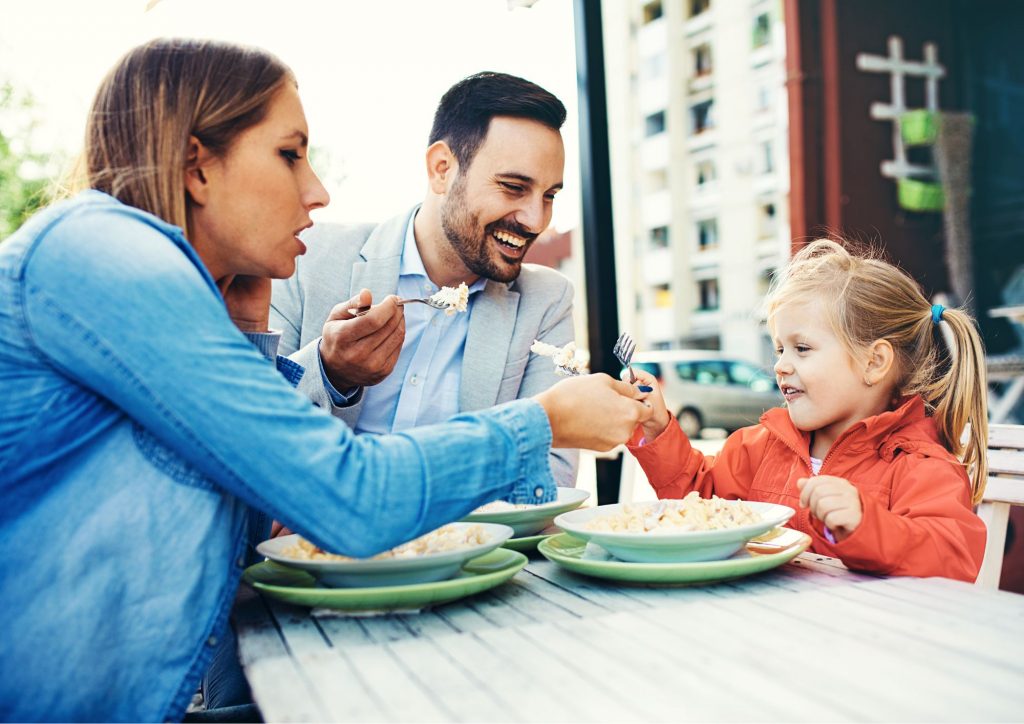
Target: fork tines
623	351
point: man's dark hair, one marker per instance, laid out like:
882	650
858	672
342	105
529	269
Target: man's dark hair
466	109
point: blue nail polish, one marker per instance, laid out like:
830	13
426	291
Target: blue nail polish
645	388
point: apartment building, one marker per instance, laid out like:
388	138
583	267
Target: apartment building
700	170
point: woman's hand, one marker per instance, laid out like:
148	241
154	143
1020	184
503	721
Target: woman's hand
594	412
834	501
248	301
660	417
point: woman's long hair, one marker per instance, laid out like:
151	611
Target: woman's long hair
156	97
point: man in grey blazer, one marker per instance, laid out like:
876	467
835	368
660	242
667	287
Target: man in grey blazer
494	164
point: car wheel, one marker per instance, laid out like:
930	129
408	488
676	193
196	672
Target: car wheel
690	422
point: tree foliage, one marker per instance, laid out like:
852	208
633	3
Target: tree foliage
24	184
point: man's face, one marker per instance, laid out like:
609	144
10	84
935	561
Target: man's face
498	206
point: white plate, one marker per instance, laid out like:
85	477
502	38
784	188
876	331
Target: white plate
527	521
687	546
386	571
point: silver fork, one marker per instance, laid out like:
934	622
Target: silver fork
623	351
360	311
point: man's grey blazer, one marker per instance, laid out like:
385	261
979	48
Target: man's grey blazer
505	319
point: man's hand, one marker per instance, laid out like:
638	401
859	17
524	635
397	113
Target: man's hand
248	301
593	411
278	529
362	351
834	501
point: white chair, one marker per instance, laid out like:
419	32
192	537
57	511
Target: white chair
1005	488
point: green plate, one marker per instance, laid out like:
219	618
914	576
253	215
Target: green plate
575	555
298	587
526	544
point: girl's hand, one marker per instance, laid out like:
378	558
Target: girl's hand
834	501
248	301
660	417
595	412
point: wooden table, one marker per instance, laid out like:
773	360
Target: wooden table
809	641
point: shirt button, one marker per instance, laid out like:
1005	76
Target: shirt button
212	641
538	492
414	380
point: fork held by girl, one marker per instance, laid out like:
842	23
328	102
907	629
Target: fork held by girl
868	449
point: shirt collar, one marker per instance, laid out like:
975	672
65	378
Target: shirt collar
412	262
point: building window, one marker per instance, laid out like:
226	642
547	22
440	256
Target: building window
767	157
662	296
654	124
767	222
654	66
764	282
699	6
702	60
652	11
762	30
657	180
705	172
702	117
707	292
707	234
659	237
764	97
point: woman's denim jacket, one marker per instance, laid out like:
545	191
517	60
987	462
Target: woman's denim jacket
138	426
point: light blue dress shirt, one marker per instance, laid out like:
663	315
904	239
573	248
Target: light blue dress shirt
424	386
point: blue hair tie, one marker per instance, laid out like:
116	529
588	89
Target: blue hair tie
937	310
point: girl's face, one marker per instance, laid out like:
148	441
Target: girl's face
251	203
823	384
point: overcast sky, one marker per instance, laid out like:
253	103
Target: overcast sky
370	73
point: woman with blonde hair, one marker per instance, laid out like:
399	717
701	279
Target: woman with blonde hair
141	429
869	449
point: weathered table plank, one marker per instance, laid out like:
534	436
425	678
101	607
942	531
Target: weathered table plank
810	641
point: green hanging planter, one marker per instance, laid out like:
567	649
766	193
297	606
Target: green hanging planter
919	128
920	195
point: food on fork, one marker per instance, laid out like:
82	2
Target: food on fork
444	539
564	358
455	298
667	517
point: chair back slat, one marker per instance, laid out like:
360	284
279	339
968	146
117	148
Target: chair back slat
1004	490
1006	437
1004	487
1006	462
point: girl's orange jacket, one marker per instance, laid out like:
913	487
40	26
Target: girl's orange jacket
918	519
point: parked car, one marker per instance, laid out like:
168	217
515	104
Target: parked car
708	389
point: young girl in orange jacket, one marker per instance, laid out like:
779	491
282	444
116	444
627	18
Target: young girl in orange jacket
870	448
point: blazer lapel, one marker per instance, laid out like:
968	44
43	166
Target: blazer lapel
491	323
381	258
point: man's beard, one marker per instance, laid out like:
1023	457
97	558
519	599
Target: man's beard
474	249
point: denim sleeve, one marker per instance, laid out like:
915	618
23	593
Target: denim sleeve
122	310
266	343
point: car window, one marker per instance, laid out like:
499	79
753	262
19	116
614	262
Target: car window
750	376
712	373
686	371
651	368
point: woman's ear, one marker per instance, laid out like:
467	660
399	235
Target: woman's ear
880	359
197	159
441	167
